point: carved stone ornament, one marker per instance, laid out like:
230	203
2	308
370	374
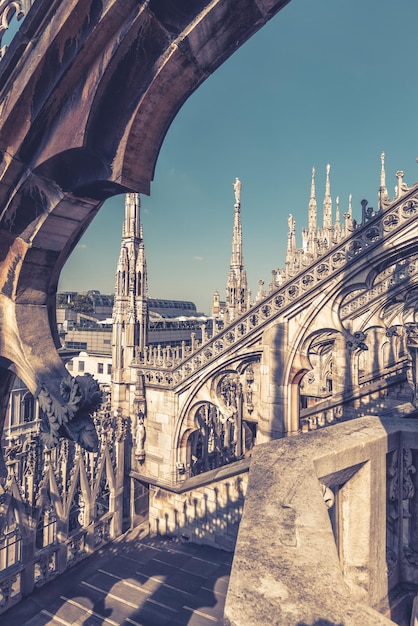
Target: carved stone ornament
408	489
392	511
69	414
356	341
140	439
411	372
328	496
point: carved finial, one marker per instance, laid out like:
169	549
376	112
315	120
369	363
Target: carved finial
327	183
383	192
313	183
312	210
327	211
337	218
399	176
382	171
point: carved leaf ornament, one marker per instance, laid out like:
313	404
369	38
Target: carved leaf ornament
69	414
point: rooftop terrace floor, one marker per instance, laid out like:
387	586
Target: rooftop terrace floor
136	580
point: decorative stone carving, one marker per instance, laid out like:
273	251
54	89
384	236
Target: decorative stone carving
408	492
367	212
214	443
140	439
412	346
249	379
69	415
121	426
328	496
7	589
355	341
45	568
392	515
140	410
408	489
237	190
230	389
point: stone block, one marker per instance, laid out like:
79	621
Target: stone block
162	418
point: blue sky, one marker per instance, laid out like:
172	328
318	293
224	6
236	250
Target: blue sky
329	81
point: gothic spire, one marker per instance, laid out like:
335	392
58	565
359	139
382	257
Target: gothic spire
236	290
291	239
327	211
350	206
383	192
130	314
337	225
312	217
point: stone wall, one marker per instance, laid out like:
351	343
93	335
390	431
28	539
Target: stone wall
207	514
328	533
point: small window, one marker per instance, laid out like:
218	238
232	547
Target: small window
28	408
46	530
109	368
100	368
76	345
81	366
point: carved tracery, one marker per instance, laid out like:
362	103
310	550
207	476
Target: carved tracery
214	443
392	512
223	431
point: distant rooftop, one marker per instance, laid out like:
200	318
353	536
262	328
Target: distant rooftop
95	302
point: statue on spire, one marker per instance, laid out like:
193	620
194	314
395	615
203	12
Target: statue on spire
237	190
291	222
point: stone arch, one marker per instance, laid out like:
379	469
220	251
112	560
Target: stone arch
27	408
318	348
123	66
213	443
370	361
46	520
14	527
76	507
222	395
204	390
11	533
103	493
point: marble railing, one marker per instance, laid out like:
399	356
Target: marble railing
10	9
168	367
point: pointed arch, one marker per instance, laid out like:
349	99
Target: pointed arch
104	487
79	495
46	523
11	536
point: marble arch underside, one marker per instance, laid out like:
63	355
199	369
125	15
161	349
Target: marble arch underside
88	89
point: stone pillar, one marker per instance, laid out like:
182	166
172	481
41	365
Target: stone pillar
294	409
273	392
118	494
